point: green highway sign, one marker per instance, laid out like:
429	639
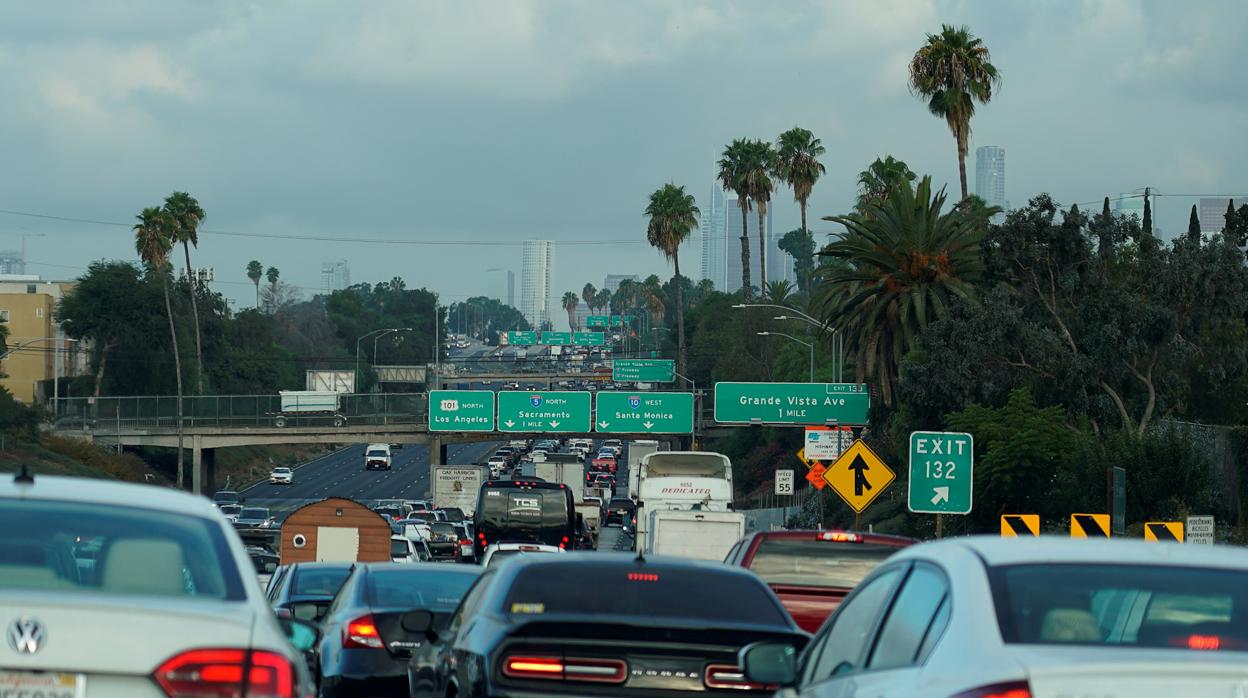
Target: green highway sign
942	475
556	339
589	339
596	321
617	321
543	411
461	410
643	370
643	412
791	403
522	338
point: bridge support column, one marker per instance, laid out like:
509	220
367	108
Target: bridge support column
437	456
203	467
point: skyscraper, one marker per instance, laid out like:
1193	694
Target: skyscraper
990	178
537	281
713	236
612	281
335	276
511	288
732	246
1212	213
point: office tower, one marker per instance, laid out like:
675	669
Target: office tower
511	288
335	276
537	281
612	282
713	232
990	178
1212	213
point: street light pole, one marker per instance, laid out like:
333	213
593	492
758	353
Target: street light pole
809	345
365	336
838	339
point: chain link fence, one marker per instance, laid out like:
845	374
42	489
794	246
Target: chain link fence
117	413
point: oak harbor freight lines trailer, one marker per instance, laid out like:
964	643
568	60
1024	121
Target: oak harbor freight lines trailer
456	486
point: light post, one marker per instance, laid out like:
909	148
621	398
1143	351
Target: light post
365	336
838	337
809	345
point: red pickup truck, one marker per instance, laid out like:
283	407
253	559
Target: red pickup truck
813	571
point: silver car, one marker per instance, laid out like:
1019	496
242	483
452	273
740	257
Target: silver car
111	589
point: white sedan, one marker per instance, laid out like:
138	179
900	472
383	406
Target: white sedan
497	552
281	476
1030	618
113	589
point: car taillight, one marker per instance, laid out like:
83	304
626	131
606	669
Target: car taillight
1012	689
730	676
212	673
465	543
565	669
563	543
838	537
362	633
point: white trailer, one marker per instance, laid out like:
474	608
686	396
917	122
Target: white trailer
636	451
698	535
331	381
681	481
314	405
457	486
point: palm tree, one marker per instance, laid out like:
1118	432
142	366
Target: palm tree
589	294
673	215
153	240
703	291
622	299
733	166
762	164
798	165
780	292
272	275
255	272
570	303
186	214
602	299
879	179
952	71
895	268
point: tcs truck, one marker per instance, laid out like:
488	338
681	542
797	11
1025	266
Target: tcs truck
678	491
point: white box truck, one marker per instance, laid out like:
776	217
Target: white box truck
636	451
457	486
310	406
698	535
681	481
557	468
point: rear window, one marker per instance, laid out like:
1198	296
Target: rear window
454	515
71	547
621	504
643	591
398	548
818	563
253	513
319	582
1129	605
417	588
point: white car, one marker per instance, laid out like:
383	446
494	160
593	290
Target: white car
166	604
377	457
281	476
498	552
1030	618
404	549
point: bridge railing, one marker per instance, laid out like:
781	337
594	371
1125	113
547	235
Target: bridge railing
161	411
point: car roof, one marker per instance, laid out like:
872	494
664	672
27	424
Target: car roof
994	551
120	494
418	569
385	446
811	534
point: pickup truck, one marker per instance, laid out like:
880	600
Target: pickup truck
813	571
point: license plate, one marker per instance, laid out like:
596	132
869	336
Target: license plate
19	684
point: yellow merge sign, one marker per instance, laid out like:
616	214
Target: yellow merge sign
859	476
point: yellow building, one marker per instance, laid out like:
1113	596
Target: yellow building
36	343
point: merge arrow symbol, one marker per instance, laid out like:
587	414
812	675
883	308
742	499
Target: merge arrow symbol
942	495
860	467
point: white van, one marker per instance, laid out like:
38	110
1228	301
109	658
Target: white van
377	457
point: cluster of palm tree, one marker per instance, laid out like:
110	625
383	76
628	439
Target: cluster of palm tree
256	271
158	230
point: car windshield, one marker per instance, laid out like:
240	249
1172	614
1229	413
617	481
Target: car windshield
619	503
225	497
1122	605
417	588
71	547
254	513
652	592
230	509
377	453
282	471
787	561
319	581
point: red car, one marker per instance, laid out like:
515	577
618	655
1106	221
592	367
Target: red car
608	463
813	571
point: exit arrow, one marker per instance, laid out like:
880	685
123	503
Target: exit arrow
603	425
942	495
859	466
648	425
554	425
509	423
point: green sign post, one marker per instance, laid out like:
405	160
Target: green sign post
557	339
651	413
540	412
643	370
589	339
791	403
461	410
596	321
522	338
942	467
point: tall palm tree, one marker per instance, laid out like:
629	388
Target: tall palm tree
255	272
895	268
186	214
622	299
798	152
762	164
153	240
272	274
602	299
570	303
953	71
673	216
589	294
733	174
879	179
780	292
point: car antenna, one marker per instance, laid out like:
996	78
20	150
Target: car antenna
24	476
641	557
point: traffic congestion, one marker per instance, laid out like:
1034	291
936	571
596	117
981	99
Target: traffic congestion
584	567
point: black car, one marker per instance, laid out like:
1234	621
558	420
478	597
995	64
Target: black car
444	544
620	511
364	648
303	590
600	624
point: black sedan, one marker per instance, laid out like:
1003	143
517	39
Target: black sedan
303	590
599	624
364	647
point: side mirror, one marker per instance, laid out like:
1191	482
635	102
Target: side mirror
307	611
772	663
270	567
302	634
419	621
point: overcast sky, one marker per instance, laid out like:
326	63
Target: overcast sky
497	121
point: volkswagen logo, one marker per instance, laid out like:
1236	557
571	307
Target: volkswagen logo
25	635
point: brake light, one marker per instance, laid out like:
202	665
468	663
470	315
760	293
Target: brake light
1203	642
569	669
1012	689
731	676
220	672
642	577
465	543
839	537
361	633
